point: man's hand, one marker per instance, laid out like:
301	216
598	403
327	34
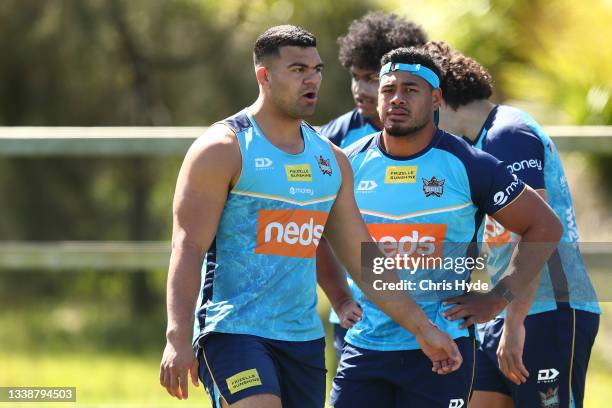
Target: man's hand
510	353
440	349
475	307
349	312
177	363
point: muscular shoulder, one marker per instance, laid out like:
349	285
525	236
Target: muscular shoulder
214	153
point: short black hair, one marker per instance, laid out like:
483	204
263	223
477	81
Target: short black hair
375	34
412	55
276	37
463	80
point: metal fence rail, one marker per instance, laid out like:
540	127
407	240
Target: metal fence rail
129	255
98	255
174	141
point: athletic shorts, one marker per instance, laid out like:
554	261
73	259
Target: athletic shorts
339	333
236	366
401	379
556	354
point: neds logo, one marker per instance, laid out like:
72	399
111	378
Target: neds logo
409	239
294	233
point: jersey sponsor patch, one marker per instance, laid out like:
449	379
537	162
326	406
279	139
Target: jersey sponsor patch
298	172
495	233
501	197
525	165
293	233
401	174
409	239
242	380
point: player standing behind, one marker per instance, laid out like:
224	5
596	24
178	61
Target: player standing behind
542	350
423	191
361	48
258	191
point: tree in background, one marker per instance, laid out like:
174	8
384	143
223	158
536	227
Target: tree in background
128	63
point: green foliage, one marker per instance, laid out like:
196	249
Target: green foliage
188	63
551	54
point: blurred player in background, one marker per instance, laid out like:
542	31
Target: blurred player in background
536	354
361	48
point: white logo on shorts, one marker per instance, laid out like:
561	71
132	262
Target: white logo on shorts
456	403
547	376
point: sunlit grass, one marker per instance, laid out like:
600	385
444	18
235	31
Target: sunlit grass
100	378
113	379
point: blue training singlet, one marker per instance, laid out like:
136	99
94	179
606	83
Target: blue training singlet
515	138
259	276
431	203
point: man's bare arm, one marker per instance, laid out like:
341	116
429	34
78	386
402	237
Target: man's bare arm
209	169
540	229
345	231
519	307
530	217
332	279
512	343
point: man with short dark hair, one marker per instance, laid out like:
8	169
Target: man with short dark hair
257	193
517	363
423	194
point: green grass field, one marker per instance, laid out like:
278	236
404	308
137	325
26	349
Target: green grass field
110	379
113	379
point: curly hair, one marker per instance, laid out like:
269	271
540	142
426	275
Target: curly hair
412	55
375	34
463	80
273	38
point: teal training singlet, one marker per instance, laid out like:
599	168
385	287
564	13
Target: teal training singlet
259	277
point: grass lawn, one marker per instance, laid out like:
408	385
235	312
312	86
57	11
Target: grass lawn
112	379
100	378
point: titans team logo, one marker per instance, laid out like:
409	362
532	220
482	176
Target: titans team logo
550	399
324	165
433	187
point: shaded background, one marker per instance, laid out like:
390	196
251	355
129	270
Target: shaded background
188	63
